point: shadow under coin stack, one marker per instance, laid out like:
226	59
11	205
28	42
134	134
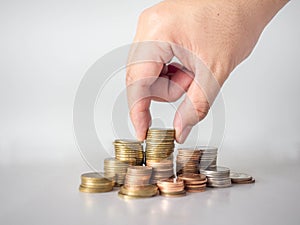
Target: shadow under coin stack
116	169
217	176
160	144
187	160
194	182
208	157
130	151
171	187
137	183
162	169
94	182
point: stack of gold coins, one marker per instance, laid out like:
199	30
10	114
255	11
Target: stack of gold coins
161	169
194	182
116	169
187	160
217	176
172	187
94	182
208	157
137	183
130	151
160	144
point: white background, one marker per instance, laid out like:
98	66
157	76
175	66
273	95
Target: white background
45	49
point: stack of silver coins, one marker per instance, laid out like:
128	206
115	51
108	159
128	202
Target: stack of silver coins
162	169
116	169
217	176
208	157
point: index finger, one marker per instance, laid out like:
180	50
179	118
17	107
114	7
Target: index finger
145	63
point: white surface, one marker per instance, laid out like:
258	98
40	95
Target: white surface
45	49
49	195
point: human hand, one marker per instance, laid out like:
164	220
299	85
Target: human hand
209	37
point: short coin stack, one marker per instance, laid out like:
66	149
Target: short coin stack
130	151
241	178
137	183
116	169
171	187
194	182
161	169
160	144
187	160
217	176
94	182
208	157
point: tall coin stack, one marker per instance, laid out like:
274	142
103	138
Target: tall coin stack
187	160
130	151
217	176
160	144
116	169
161	169
208	157
137	183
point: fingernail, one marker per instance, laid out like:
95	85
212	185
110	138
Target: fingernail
140	136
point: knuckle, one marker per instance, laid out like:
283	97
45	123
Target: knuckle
152	16
201	108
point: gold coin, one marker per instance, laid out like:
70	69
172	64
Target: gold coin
175	194
143	191
94	190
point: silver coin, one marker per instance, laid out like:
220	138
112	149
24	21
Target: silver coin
217	169
240	176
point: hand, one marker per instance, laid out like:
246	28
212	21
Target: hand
209	37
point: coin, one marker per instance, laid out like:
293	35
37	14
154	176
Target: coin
159	144
128	150
121	195
171	187
95	182
94	190
187	161
161	169
116	169
245	182
217	176
145	191
194	182
239	177
173	194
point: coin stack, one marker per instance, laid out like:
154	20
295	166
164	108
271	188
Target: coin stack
187	160
160	144
217	176
137	183
194	182
116	169
161	169
130	151
241	178
172	187
94	182
208	157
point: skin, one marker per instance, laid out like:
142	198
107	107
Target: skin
219	35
